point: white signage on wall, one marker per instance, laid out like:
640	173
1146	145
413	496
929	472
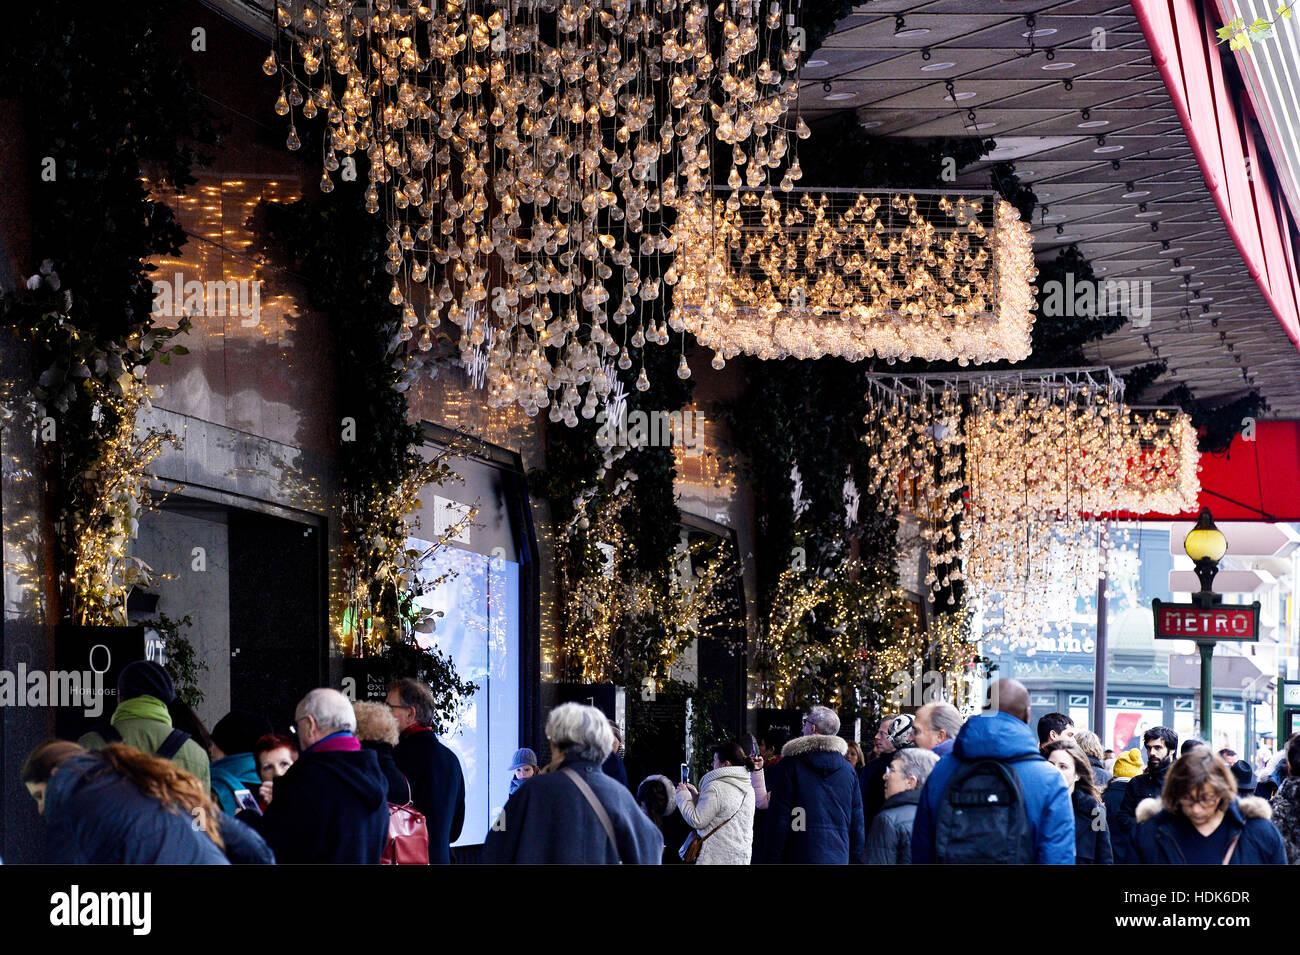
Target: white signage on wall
447	514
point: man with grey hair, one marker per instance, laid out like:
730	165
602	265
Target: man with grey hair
572	813
815	806
436	778
332	805
936	727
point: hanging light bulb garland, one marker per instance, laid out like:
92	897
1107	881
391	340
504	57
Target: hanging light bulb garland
523	154
1015	478
926	274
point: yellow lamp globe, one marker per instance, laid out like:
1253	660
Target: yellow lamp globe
1205	541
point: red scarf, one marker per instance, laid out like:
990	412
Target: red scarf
416	728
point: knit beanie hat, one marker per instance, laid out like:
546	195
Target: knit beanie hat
1127	765
900	731
238	731
522	757
145	678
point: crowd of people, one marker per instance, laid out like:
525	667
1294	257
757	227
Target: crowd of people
369	783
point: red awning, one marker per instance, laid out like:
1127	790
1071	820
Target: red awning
1185	49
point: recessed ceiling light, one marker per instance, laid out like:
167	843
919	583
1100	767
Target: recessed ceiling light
1056	65
1194	285
1109	149
913	31
1064	238
1211	313
935	67
870	123
985	123
1149	214
1182	269
1136	193
1094	124
815	63
1041	31
1099	269
968	94
1202	300
836	97
1054	217
1042	195
1172	250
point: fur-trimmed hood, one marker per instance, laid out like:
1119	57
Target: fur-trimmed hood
1250	807
817	743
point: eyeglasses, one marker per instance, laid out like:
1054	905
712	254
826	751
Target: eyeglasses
1189	800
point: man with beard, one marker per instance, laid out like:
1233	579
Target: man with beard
1161	744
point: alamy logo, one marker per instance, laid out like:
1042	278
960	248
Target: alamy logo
1089	297
653	429
178	298
74	907
58	688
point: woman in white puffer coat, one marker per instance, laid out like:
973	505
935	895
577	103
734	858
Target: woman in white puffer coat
722	812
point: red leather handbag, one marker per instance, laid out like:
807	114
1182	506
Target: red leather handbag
408	835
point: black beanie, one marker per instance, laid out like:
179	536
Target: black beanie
238	731
145	678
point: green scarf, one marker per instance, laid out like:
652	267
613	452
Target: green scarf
142	708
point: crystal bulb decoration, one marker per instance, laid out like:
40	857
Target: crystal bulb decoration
937	275
526	156
1016	479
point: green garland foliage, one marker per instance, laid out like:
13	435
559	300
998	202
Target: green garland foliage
104	102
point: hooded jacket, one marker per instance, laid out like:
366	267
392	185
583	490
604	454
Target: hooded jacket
100	818
815	811
330	807
890	840
144	723
724	815
550	822
1286	816
1002	737
438	786
1155	839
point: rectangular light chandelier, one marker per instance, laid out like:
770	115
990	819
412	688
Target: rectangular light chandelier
940	275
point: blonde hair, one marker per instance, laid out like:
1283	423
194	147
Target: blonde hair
375	722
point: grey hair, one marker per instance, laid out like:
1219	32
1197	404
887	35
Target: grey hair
1090	743
824	720
580	732
917	762
330	709
944	716
419	697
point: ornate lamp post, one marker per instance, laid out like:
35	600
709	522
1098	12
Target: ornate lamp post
1206	545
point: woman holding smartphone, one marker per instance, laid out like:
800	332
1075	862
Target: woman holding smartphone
721	811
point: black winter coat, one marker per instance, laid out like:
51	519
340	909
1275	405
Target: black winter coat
330	807
439	787
1091	834
550	822
1112	798
398	790
1140	787
1155	841
814	816
871	782
890	840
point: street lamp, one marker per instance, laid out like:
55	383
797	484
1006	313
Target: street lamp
1206	545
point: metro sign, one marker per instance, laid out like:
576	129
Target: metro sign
1190	622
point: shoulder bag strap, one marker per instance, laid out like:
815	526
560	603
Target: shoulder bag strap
595	804
172	744
729	818
1232	847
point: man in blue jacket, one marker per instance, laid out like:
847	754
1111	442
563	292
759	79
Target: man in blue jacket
815	813
1003	736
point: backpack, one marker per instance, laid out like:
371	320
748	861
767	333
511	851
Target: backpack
166	750
408	834
982	818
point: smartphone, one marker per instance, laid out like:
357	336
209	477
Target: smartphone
247	800
686	773
753	746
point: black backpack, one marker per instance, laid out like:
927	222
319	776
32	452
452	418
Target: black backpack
982	818
169	748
